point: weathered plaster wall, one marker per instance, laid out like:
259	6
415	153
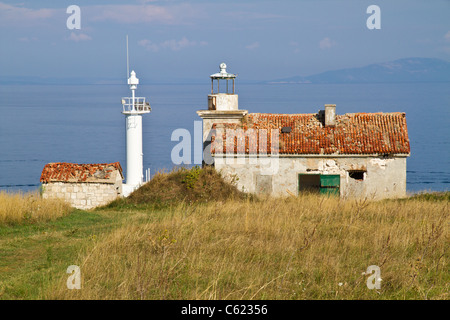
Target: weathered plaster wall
383	178
83	195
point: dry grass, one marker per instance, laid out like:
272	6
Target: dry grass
17	208
306	247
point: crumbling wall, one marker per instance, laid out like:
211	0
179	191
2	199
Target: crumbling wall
382	177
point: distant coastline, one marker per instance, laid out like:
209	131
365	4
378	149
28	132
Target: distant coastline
405	70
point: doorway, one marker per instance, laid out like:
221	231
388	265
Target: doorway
319	183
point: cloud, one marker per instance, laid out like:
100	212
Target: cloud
148	45
326	43
251	15
27	39
18	16
133	13
447	36
144	13
174	45
252	46
78	37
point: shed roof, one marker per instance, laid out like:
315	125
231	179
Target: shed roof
354	134
73	172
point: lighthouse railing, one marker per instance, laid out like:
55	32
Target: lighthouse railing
139	104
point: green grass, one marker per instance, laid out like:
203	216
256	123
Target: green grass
431	196
32	255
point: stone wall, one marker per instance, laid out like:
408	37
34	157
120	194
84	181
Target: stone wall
383	177
82	195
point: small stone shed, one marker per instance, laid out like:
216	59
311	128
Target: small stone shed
350	155
84	186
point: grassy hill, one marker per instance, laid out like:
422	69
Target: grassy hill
189	235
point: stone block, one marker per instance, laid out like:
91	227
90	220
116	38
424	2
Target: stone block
81	195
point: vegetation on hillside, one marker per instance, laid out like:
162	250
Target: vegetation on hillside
192	186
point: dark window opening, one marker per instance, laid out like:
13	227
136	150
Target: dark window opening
356	174
309	182
319	183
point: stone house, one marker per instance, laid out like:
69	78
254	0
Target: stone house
83	186
350	155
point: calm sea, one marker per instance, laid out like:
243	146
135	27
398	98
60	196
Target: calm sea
84	124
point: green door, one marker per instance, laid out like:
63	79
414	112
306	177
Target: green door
329	184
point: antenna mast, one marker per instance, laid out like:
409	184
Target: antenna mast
128	61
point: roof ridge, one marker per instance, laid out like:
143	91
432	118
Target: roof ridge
80	172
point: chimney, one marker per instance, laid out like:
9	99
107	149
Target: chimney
330	115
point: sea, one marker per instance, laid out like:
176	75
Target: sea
40	124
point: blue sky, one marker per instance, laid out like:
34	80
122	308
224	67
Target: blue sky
176	40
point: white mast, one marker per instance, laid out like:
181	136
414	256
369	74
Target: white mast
133	109
128	61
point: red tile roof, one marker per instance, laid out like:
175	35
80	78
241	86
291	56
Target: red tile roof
358	133
73	172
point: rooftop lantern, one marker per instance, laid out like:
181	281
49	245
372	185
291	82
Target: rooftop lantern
222	75
222	108
226	101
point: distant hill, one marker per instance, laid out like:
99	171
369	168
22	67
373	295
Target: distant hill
32	80
35	80
402	70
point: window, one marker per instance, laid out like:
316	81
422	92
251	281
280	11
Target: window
356	174
320	183
309	182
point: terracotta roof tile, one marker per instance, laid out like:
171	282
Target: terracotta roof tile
73	172
357	133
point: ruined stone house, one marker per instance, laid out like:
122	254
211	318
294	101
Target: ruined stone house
350	155
83	186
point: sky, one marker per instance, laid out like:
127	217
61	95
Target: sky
180	40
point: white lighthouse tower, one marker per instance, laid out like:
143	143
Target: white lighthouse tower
133	109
